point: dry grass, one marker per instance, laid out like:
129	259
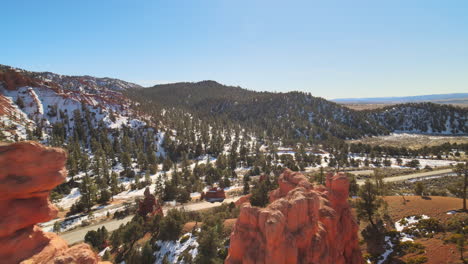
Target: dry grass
360	107
410	140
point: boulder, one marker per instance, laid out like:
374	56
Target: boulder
29	172
302	224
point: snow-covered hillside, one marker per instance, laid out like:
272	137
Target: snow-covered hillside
423	118
51	98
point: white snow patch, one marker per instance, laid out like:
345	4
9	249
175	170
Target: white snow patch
103	251
70	199
388	250
173	249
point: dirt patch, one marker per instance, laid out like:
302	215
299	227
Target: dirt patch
63	213
437	252
189	226
432	206
142	241
118	201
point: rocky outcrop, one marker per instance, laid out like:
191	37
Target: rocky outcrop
12	79
302	224
150	205
29	171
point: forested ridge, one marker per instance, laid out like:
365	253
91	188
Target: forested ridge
298	116
423	118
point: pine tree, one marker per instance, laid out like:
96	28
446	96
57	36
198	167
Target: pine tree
126	161
114	184
148	180
88	192
368	202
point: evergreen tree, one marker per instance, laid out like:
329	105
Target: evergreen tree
368	202
260	194
88	192
114	184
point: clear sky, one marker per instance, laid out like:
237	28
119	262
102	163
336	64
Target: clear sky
332	49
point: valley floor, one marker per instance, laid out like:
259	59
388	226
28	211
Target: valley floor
410	140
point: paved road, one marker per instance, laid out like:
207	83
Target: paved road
412	176
77	235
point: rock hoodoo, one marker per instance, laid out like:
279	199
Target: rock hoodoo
302	224
150	205
28	172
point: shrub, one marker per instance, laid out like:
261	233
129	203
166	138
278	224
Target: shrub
122	213
171	225
97	239
419	188
57	226
457	223
184	239
410	247
416	260
183	196
260	194
424	228
430	225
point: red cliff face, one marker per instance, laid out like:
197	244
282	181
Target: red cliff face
29	171
302	224
12	80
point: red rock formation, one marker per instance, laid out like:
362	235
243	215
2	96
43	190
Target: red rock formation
243	199
29	171
302	224
150	205
12	79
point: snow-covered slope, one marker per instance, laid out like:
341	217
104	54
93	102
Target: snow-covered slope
28	100
423	118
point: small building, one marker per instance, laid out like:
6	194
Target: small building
214	194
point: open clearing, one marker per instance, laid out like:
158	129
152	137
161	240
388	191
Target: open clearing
410	140
433	206
365	106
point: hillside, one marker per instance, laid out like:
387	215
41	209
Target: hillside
288	116
427	118
30	101
296	115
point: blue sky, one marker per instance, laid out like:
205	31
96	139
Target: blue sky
331	49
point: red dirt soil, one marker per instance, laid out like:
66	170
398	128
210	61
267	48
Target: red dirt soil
437	207
437	252
432	206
